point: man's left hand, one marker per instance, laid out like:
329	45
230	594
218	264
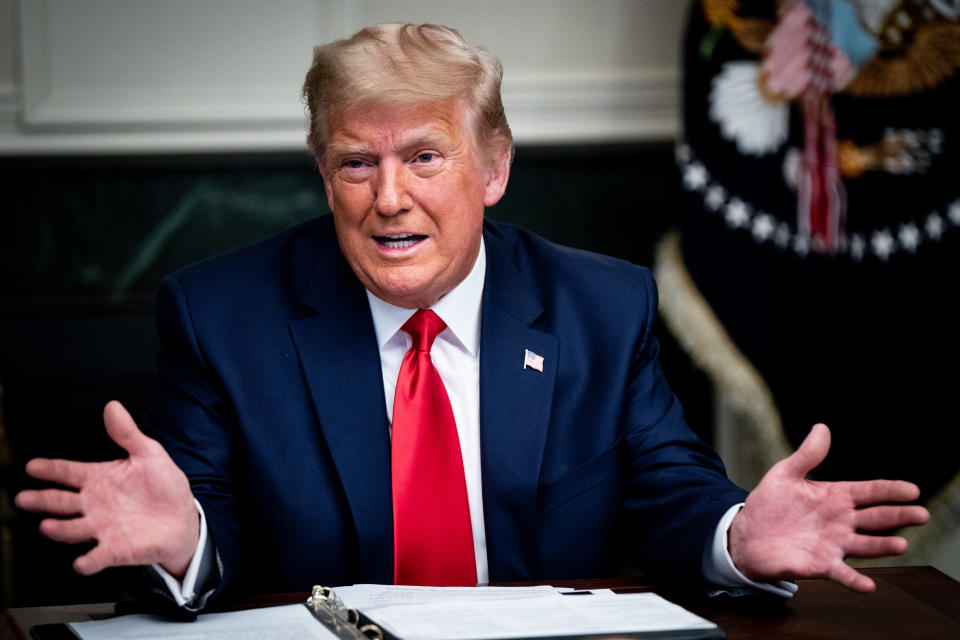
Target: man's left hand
792	527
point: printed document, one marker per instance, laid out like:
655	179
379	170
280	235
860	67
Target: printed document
368	597
430	613
291	622
540	616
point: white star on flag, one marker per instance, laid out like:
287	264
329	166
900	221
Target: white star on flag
909	237
883	244
532	360
954	212
695	177
934	226
782	235
857	247
737	213
715	197
763	227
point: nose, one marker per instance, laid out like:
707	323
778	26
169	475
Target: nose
391	189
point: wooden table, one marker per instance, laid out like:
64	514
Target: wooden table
910	602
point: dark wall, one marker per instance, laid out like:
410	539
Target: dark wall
85	241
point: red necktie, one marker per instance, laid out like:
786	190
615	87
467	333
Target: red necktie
432	537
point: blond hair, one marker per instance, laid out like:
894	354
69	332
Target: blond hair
405	63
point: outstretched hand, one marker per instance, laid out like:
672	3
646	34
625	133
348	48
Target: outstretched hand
139	510
791	527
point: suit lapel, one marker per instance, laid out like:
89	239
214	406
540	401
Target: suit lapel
515	407
341	363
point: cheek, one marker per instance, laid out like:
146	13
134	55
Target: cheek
349	203
349	218
469	208
461	199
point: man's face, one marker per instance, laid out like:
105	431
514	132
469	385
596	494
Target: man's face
407	186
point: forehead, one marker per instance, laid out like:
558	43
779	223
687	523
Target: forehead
398	123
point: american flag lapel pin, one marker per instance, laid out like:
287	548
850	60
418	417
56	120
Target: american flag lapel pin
532	360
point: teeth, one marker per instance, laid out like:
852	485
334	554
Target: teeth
399	240
399	244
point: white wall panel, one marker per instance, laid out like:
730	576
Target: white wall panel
222	75
6	45
8	85
106	62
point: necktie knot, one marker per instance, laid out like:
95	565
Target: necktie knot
423	327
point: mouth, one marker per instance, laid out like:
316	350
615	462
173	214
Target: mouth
399	240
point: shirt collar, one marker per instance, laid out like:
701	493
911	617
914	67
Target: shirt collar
459	309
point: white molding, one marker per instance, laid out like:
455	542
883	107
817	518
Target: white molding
562	110
9	106
151	110
34	61
568	108
16	143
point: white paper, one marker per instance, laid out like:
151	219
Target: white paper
557	615
368	597
290	622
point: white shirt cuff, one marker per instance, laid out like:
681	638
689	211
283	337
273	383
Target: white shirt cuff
720	570
184	592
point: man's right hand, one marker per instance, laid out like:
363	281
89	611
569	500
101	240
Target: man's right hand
139	510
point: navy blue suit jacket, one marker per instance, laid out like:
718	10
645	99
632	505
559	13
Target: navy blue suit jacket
270	398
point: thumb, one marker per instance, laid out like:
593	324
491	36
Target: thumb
812	451
123	430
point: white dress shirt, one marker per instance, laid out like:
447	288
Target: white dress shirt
456	356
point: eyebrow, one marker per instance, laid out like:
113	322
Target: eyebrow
346	149
426	136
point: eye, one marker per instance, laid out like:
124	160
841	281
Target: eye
426	157
355	169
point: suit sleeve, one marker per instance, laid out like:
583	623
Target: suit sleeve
192	419
676	489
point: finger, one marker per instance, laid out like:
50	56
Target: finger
851	578
876	491
95	560
66	472
53	501
811	452
123	430
889	517
864	546
72	530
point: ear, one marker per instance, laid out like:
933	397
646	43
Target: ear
497	176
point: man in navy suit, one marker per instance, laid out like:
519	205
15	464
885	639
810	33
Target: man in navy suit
269	461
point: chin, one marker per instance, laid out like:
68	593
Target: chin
408	297
412	293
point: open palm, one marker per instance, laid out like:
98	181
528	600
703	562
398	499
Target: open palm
139	509
792	527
